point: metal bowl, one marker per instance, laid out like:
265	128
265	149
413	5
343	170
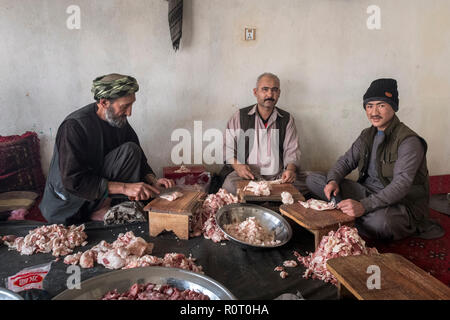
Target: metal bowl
6	294
95	288
272	221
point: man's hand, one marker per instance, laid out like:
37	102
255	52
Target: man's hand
351	208
331	188
244	171
139	191
166	183
288	176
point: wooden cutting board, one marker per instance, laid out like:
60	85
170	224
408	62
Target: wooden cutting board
314	219
275	192
400	279
13	200
183	205
174	215
319	223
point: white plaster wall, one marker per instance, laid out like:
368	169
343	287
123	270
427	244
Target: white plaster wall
322	50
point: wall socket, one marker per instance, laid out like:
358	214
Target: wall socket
250	34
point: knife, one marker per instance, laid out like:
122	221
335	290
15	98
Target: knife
258	177
164	191
137	204
333	199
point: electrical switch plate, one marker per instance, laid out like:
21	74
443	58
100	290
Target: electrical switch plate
250	34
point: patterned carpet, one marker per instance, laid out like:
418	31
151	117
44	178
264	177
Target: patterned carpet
429	255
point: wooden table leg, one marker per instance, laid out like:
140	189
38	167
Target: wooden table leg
343	292
177	223
318	234
240	195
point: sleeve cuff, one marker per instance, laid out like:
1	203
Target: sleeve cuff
366	203
331	177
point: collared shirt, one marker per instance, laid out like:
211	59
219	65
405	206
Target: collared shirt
372	181
263	155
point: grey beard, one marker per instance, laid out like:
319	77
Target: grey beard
113	120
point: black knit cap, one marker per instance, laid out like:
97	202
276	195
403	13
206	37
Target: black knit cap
383	90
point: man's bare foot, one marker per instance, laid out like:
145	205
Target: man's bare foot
99	214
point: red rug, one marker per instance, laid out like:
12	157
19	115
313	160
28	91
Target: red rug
429	255
34	213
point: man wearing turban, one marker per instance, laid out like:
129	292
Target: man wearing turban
97	154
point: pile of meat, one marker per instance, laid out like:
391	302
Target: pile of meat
129	251
287	198
258	188
50	238
286	264
172	196
204	222
7	239
152	291
319	205
261	187
251	231
344	242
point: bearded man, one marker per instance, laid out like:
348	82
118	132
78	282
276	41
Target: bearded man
97	154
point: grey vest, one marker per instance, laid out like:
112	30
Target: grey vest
387	154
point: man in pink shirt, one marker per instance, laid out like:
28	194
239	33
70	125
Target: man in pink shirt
261	141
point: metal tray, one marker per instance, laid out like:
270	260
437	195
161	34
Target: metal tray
95	288
6	294
238	212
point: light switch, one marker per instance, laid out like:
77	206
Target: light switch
250	34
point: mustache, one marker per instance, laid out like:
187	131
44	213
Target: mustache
269	99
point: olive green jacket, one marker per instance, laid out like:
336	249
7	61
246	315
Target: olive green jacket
417	197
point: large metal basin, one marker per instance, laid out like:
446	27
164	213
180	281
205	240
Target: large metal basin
6	294
238	212
95	288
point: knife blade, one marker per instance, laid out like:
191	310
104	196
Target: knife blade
258	177
164	191
138	205
333	199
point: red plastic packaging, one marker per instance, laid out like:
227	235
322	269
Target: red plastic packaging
194	171
29	278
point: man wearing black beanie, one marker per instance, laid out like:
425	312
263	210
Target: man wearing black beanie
390	198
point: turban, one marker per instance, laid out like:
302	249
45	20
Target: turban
113	86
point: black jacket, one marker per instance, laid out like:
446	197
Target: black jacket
75	170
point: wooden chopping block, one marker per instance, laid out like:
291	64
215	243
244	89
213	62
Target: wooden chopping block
319	223
400	279
13	200
275	192
174	215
